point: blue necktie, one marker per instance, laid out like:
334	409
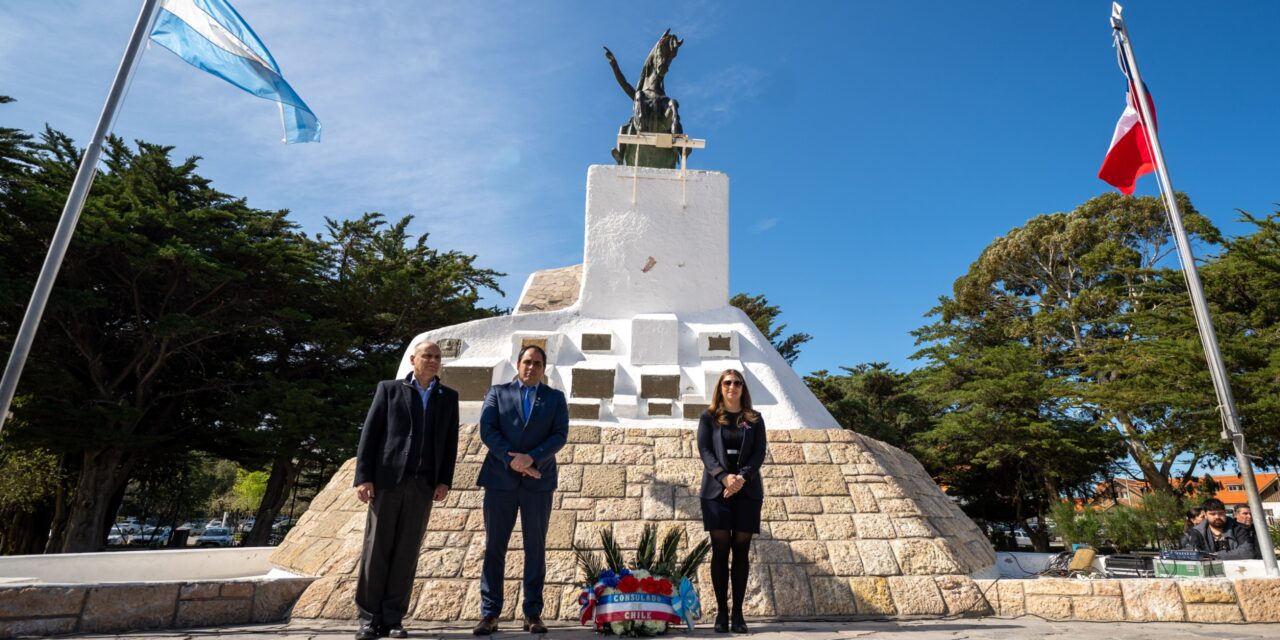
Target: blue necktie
528	401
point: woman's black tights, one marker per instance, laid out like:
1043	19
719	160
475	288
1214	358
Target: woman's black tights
722	541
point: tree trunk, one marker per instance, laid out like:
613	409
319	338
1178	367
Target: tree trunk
58	527
104	473
1141	455
284	472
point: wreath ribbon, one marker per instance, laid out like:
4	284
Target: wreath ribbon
686	603
587	600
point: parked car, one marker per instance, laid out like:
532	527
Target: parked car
128	526
117	537
1021	538
196	528
150	536
215	537
247	523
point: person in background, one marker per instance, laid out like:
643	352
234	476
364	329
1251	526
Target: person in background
1244	518
1219	535
1195	515
732	444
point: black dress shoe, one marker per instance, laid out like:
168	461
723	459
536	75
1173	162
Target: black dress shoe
486	626
533	624
739	625
396	631
367	631
722	621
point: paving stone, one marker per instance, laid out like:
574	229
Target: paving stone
1099	608
213	613
1212	591
1152	600
1259	598
49	600
14	628
127	607
273	599
832	596
962	596
871	596
916	595
1050	607
1215	613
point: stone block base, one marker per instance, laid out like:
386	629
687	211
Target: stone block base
104	608
850	526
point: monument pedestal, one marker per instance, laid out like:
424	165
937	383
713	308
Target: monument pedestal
850	526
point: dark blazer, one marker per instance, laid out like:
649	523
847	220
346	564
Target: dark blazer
503	430
1239	538
715	460
387	435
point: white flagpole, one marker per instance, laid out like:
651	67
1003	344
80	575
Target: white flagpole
71	213
1208	337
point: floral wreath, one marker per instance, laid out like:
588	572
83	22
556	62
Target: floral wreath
645	596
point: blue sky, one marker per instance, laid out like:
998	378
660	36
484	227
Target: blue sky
874	149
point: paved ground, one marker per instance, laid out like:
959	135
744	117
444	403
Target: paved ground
1025	628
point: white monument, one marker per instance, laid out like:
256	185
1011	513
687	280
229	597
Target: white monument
648	329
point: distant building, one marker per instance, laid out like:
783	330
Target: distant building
1230	490
1233	495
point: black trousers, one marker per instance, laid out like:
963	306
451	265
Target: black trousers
393	533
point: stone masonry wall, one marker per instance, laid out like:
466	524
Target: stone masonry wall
52	609
851	526
1138	600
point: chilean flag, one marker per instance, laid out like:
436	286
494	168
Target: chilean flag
1130	156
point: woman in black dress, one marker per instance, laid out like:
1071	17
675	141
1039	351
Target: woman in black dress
731	441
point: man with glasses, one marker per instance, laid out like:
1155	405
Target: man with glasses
1219	535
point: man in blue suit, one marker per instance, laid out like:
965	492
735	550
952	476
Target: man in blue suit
523	423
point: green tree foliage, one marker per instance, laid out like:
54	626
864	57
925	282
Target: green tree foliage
1157	522
1077	527
28	477
1003	440
874	400
764	315
373	286
247	492
1244	287
184	320
1088	303
163	277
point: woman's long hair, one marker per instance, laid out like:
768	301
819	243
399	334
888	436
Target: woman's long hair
717	400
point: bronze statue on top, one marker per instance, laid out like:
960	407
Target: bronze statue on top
654	112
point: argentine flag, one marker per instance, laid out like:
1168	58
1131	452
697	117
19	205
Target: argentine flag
210	35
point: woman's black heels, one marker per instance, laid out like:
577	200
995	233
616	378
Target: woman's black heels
722	621
739	625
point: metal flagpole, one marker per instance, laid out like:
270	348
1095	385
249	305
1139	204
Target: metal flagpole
1208	337
71	213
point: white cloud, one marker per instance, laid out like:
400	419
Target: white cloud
765	225
720	95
